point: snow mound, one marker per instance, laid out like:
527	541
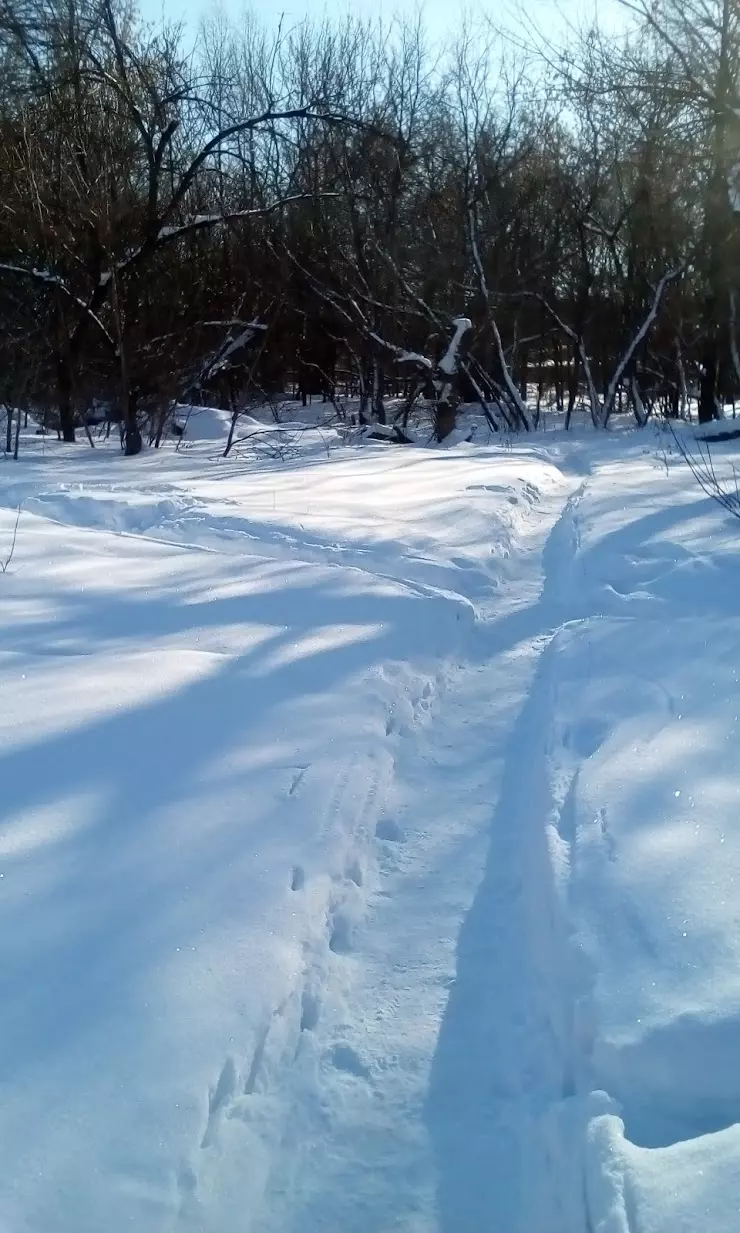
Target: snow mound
203	423
682	1188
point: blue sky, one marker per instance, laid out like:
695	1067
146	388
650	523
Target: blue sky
440	16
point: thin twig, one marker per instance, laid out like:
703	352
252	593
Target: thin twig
4	564
704	473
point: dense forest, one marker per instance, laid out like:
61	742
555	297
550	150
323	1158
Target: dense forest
348	208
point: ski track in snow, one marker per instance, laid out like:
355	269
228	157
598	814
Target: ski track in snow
507	1092
513	1053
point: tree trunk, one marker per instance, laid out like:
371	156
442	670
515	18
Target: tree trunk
444	417
524	374
673	406
66	410
540	385
707	384
446	378
378	384
131	425
130	430
162	417
572	388
232	425
558	375
362	415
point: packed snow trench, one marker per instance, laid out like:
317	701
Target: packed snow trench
369	839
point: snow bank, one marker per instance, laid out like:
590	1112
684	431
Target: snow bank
214	423
644	702
204	423
676	1189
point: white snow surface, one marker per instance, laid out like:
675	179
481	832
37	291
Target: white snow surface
369	841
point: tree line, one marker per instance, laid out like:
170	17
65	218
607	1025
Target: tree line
502	220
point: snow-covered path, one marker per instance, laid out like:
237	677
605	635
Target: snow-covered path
365	832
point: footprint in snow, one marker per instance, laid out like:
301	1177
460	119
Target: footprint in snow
586	736
606	835
187	1181
340	938
297	779
388	830
354	873
218	1097
258	1056
309	1012
343	1057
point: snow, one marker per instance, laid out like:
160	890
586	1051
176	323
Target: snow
402	356
197	220
676	1189
235	344
368	839
450	360
287	434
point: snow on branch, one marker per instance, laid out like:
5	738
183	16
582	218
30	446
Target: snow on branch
427	311
450	361
399	354
225	354
166	234
200	222
49	279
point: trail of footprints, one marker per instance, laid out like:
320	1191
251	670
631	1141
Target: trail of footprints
300	1013
408	710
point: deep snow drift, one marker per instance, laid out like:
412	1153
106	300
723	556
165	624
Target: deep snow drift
368	841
